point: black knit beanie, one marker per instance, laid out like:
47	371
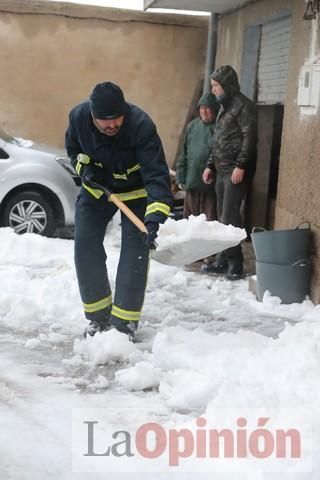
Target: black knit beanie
107	101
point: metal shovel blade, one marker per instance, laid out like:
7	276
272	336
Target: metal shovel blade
192	250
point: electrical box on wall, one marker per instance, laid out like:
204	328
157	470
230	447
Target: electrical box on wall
309	88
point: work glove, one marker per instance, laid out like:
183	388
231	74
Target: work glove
151	236
82	165
89	170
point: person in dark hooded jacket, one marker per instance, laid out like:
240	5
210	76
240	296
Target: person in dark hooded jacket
232	161
199	197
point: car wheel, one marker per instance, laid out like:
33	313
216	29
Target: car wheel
29	212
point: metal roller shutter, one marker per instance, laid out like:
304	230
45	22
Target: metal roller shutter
273	61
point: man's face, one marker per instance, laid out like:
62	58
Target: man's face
216	88
108	127
206	114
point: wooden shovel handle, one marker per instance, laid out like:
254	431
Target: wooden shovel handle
129	213
119	203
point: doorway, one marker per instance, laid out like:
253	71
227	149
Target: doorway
264	77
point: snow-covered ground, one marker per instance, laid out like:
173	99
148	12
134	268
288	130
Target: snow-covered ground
205	346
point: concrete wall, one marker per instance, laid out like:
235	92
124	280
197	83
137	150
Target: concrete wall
299	178
52	54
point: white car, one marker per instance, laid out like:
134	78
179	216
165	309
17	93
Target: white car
38	186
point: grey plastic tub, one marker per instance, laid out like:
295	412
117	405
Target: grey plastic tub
289	282
283	247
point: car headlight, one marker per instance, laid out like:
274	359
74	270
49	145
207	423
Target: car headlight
65	163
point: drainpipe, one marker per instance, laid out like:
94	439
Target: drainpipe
211	50
206	87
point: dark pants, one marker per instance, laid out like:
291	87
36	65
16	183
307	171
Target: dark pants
92	218
230	198
196	202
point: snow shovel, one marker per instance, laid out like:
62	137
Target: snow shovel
177	254
119	203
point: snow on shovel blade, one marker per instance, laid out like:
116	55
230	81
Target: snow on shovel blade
191	250
181	242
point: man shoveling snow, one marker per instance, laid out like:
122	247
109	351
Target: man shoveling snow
115	144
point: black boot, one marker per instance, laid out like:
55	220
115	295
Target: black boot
235	272
95	326
100	325
216	268
123	326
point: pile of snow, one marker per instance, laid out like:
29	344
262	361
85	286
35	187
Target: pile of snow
192	228
185	241
143	375
208	346
110	346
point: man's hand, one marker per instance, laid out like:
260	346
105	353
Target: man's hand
83	162
237	175
207	176
150	240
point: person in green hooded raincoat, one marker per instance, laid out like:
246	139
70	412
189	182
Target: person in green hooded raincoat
199	197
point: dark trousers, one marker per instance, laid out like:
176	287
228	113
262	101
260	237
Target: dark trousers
230	198
91	220
196	202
